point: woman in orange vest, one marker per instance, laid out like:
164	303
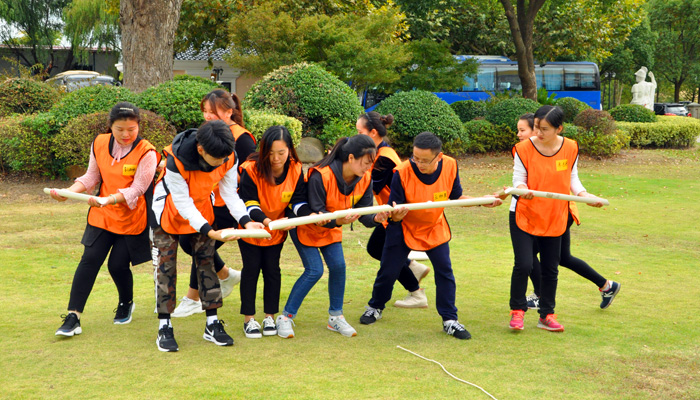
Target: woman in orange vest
219	105
272	187
375	125
608	289
340	181
428	176
122	164
200	158
545	162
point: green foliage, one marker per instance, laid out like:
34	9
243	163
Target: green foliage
177	101
201	22
72	144
485	137
637	51
507	112
419	111
88	100
632	113
598	120
668	131
597	134
335	130
467	110
26	96
546	99
306	92
92	23
571	107
193	78
257	121
24	148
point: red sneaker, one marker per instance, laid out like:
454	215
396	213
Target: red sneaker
516	319
550	323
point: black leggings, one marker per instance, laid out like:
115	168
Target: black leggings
375	246
256	259
567	261
90	264
222	220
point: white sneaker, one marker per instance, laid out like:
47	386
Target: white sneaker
252	329
419	270
418	255
269	327
284	327
234	277
187	307
340	325
416	299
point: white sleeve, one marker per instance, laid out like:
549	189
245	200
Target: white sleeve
576	185
519	172
228	186
180	191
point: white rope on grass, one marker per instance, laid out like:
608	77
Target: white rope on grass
447	372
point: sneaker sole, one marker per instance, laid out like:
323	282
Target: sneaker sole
131	313
213	340
547	328
163	349
335	330
396	304
76	331
427	271
253	335
368	322
270	333
619	285
290	336
516	328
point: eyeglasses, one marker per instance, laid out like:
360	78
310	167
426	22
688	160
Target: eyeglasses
421	162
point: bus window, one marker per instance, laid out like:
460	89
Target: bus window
553	77
470	84
486	80
580	77
508	78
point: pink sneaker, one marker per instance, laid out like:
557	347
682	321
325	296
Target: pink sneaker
550	323
516	319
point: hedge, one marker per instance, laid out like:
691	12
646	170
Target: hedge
571	107
467	110
23	148
507	112
26	96
88	100
485	137
668	131
257	121
632	113
177	101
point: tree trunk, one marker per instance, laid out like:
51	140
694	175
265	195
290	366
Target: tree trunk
521	27
148	33
677	91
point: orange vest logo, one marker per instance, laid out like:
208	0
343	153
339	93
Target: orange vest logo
440	196
129	170
287	197
562	165
356	198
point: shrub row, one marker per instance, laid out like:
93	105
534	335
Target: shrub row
668	131
26	96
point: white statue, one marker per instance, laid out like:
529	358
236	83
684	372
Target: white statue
643	92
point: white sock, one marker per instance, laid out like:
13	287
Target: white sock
448	322
164	322
606	286
211	319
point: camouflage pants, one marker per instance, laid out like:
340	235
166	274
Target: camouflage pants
165	262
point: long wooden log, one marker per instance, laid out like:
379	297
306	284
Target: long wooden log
77	196
557	196
246	233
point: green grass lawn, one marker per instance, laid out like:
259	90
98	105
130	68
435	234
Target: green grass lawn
645	346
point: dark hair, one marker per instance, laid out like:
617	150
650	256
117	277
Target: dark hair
358	145
123	110
221	99
530	118
551	114
262	156
428	141
216	139
374	120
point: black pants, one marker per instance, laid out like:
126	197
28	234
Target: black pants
523	249
375	247
90	264
256	259
222	220
567	261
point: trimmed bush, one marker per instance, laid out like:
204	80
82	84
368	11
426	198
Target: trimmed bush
419	111
26	96
571	107
177	101
257	122
632	113
308	93
24	148
597	120
88	100
507	112
467	110
334	130
484	137
668	131
192	78
72	144
597	134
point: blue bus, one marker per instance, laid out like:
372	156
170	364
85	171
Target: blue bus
580	80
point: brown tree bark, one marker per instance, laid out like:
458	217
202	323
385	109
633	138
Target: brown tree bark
148	33
521	27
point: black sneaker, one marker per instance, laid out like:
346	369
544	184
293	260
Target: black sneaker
533	302
71	325
609	295
122	314
371	315
454	328
166	339
216	334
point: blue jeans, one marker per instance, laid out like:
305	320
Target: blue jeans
313	271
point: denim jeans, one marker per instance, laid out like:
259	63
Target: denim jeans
313	271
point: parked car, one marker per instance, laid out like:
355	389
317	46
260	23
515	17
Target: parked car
73	80
670	109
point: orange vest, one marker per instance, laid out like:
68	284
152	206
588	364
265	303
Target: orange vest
427	229
543	216
274	199
318	236
385	151
236	131
118	218
200	184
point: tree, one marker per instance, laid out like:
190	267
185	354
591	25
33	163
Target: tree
521	28
678	48
203	24
432	68
92	23
148	33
